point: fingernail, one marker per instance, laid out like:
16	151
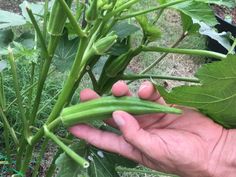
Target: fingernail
118	119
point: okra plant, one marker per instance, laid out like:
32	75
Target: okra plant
98	30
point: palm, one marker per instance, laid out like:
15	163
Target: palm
189	135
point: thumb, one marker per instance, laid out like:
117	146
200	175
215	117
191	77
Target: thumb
131	130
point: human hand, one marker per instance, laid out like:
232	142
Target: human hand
189	145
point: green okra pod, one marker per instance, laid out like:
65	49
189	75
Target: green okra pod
119	64
102	108
57	18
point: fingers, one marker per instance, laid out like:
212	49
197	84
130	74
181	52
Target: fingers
120	88
88	94
131	130
148	143
147	91
106	140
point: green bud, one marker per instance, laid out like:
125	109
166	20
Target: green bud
150	31
104	44
92	11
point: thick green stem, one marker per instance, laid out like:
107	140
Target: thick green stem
45	19
146	76
30	94
81	161
204	53
17	90
66	91
43	76
38	31
151	10
164	54
28	156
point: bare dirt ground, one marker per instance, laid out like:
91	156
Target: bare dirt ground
12	5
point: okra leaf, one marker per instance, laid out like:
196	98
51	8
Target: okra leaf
200	11
124	29
68	167
215	97
188	25
9	19
65	53
100	163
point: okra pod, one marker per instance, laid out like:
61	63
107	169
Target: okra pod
102	108
57	18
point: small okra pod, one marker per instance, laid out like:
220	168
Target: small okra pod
102	108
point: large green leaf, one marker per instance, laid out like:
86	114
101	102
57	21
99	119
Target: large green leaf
216	96
188	25
124	29
102	164
65	53
68	167
200	11
9	19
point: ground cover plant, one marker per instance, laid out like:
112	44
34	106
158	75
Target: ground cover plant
94	38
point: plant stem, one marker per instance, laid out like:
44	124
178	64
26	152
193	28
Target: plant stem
164	54
145	76
28	156
66	91
9	128
43	76
30	94
204	53
17	90
72	19
45	19
151	10
47	104
123	169
81	161
124	6
38	31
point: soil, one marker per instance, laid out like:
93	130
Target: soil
13	5
228	14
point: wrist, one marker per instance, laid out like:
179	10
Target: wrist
223	161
